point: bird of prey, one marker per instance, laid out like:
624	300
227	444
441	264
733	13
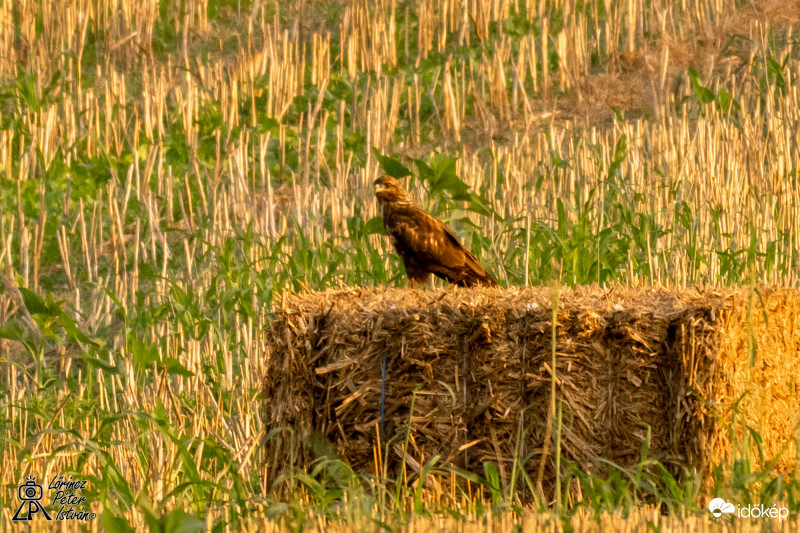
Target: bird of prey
423	242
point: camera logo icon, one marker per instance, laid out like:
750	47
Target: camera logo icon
30	491
29	494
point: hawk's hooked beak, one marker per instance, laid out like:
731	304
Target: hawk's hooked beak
380	187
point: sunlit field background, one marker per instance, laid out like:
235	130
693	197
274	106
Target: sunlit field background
168	168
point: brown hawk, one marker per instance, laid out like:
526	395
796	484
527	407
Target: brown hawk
423	242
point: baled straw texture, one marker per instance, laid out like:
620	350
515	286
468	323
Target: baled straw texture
468	376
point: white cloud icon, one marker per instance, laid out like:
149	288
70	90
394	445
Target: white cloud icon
718	507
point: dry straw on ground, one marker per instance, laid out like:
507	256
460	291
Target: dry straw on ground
470	371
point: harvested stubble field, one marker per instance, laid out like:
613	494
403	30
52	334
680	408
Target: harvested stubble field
168	168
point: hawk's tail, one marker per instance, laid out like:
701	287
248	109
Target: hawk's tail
476	275
477	279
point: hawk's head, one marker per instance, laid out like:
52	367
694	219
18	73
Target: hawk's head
388	189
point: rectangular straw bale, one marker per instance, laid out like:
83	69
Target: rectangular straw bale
475	364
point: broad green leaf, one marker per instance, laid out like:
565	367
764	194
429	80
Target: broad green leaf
703	94
33	302
375	225
391	166
175	367
12	330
